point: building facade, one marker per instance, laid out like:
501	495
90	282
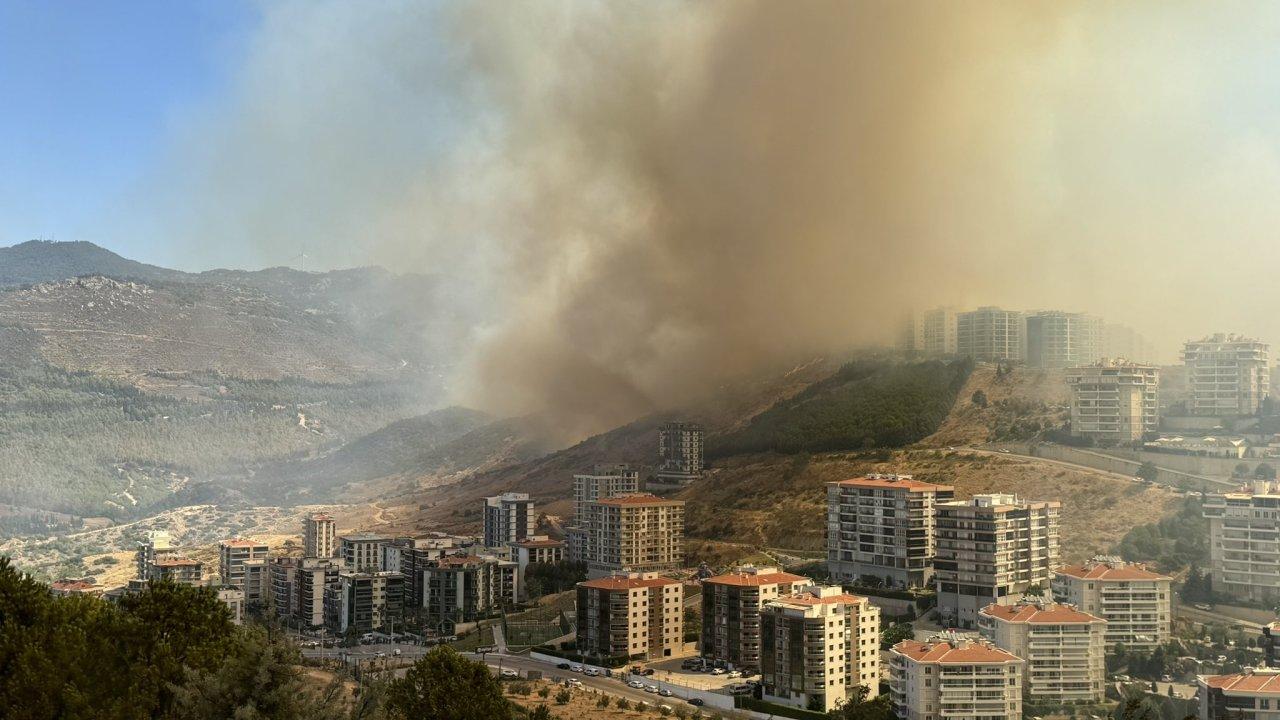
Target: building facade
311	578
817	645
633	615
953	676
538	549
1064	649
731	606
364	602
1135	602
990	334
177	569
680	446
465	588
362	552
283	574
1250	695
633	533
1227	375
1113	401
1060	339
1244	541
605	481
992	549
883	526
930	333
508	517
154	545
243	565
319	536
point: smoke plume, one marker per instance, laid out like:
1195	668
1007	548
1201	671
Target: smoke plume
654	196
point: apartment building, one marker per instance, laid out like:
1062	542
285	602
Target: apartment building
817	645
956	677
319	535
535	549
731	605
1114	401
1253	694
1227	375
990	334
1244	541
508	517
416	555
1120	341
883	526
363	602
930	333
634	615
153	546
1058	339
1064	649
243	565
464	588
1135	602
992	549
362	552
311	578
177	569
680	446
633	533
605	481
233	598
283	574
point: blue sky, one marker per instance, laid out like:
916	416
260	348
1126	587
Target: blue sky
88	93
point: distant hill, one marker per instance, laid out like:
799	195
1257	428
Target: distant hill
38	261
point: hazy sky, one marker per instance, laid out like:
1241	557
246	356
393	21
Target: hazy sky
655	190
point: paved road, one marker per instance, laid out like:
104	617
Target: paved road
609	686
1063	463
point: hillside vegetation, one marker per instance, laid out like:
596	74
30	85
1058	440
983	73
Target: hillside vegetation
866	404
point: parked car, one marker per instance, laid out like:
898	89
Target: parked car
697	702
735	674
396	652
648	671
651	688
739	689
664	692
509	673
562	666
636	684
591	672
575	668
717	671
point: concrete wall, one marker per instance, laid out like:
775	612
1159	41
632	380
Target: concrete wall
1124	466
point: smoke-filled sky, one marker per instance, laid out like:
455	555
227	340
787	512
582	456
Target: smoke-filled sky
654	195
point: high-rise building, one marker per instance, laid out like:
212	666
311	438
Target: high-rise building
1244	542
311	578
954	676
1227	375
362	552
992	549
1252	694
817	645
731	605
990	334
508	517
177	569
1135	602
1064	648
535	549
883	526
630	614
930	333
364	602
417	555
283	572
680	451
243	565
1120	341
633	533
464	588
318	534
1113	401
1060	339
605	481
155	545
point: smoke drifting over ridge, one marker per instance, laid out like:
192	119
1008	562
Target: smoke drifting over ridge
650	196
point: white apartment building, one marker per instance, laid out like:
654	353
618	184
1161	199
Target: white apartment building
1227	375
633	533
1250	695
633	615
1064	649
1244	541
731	605
605	481
992	549
1058	339
990	334
243	565
883	525
154	545
508	517
535	549
817	645
311	578
930	333
1114	401
319	533
233	598
680	446
362	552
1135	602
955	677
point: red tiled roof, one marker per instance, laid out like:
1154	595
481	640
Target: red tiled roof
743	579
1110	571
810	599
639	499
614	582
540	543
1268	683
899	483
945	652
1036	615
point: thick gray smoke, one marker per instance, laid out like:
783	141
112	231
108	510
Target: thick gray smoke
653	196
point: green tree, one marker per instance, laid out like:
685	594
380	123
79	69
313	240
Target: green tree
1148	472
564	696
444	685
857	707
541	713
895	634
1264	472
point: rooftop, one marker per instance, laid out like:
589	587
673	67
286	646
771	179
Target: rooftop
901	482
1110	570
365	537
1040	614
544	542
176	562
241	543
748	577
623	582
957	651
1264	680
805	599
638	499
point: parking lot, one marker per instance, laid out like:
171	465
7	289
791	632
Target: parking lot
669	671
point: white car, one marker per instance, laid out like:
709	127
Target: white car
636	684
651	688
735	674
591	671
573	682
575	668
717	671
664	692
509	673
